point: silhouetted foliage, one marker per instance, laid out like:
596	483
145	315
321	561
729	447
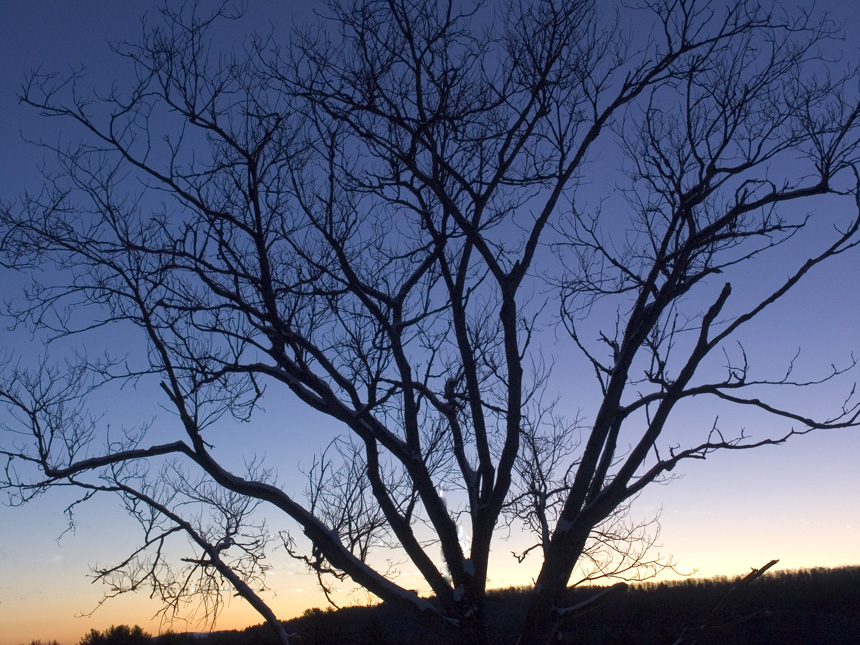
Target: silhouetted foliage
806	606
117	635
395	219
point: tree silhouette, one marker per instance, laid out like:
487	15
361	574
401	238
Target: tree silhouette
117	635
389	217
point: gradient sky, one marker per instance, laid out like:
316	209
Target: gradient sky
799	503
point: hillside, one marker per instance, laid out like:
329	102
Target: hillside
783	607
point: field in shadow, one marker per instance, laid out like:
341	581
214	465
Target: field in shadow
806	606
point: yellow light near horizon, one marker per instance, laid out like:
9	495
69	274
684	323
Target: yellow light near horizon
58	616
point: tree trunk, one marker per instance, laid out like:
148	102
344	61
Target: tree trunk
541	620
540	623
472	620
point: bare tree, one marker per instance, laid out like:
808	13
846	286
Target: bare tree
388	217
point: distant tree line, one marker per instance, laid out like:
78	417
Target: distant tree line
806	606
113	635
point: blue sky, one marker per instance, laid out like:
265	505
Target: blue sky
799	502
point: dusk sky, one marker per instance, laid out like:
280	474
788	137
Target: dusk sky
799	503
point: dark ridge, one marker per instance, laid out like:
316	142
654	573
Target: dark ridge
783	607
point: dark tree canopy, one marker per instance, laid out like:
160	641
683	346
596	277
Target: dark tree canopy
400	217
117	635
